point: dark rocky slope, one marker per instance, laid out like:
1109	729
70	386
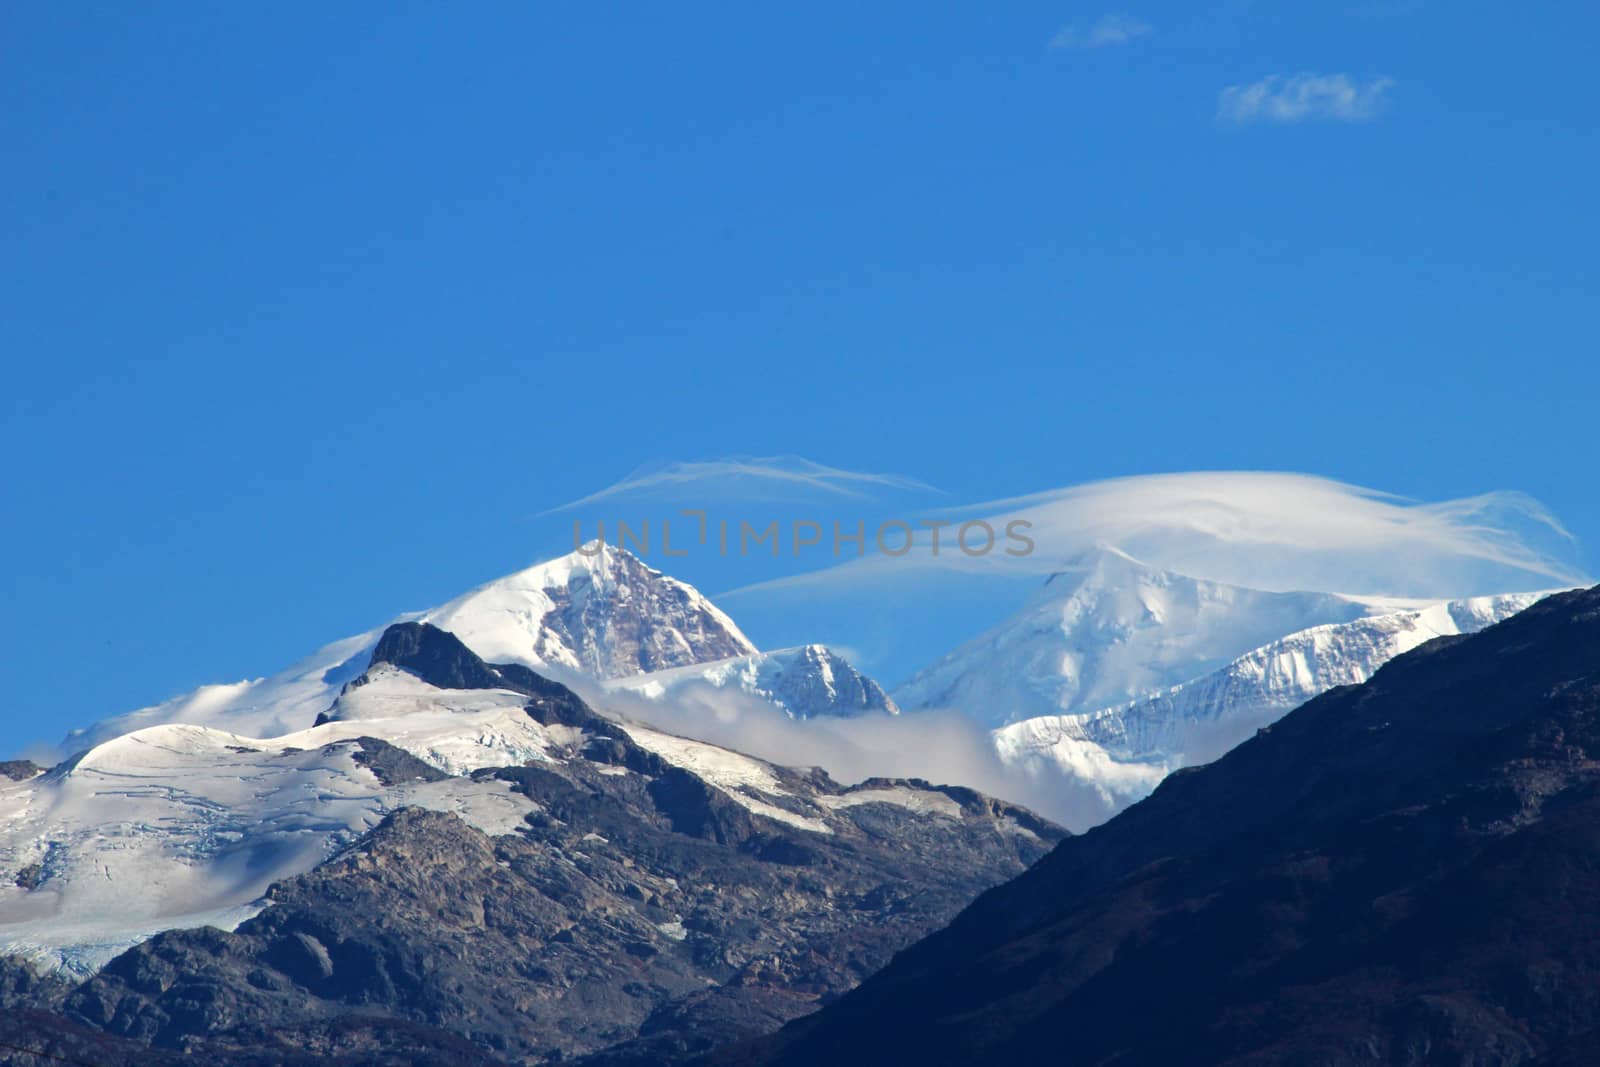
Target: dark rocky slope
1404	872
640	914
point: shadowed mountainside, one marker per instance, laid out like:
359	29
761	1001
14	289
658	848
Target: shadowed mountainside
1403	872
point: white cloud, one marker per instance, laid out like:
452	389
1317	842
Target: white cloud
1109	30
943	747
1265	530
1303	97
739	475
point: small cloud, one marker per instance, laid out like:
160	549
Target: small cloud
1110	30
1302	97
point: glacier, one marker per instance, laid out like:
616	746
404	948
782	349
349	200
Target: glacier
1117	673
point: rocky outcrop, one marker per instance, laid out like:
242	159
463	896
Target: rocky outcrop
19	770
438	658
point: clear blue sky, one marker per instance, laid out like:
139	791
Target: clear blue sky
305	309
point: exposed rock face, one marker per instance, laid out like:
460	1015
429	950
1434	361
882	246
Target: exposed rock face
600	611
438	658
19	770
818	681
660	896
393	766
654	913
1403	872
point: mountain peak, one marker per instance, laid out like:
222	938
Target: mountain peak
433	655
803	682
1102	563
599	611
601	561
1108	630
1108	571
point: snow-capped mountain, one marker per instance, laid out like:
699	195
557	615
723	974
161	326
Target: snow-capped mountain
1109	631
599	613
1127	749
802	682
180	825
1116	673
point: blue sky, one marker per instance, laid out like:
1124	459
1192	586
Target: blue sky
308	313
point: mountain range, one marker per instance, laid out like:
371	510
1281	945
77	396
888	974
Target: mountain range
598	613
365	852
1116	673
465	858
1126	749
1112	675
1401	872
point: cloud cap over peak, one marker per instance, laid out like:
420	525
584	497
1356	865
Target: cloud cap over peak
1272	530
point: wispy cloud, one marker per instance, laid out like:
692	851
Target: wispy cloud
1109	30
1305	97
741	474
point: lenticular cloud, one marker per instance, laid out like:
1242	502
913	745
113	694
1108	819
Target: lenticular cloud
1276	531
1295	531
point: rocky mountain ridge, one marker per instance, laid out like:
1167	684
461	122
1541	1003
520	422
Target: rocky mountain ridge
614	892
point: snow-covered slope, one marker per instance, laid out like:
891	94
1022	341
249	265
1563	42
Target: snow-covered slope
1125	750
179	825
1117	673
1109	631
803	682
600	612
263	707
455	730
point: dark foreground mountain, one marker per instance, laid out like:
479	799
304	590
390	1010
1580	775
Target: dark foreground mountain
652	897
1404	872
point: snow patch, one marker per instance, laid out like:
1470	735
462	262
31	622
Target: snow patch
734	774
921	801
